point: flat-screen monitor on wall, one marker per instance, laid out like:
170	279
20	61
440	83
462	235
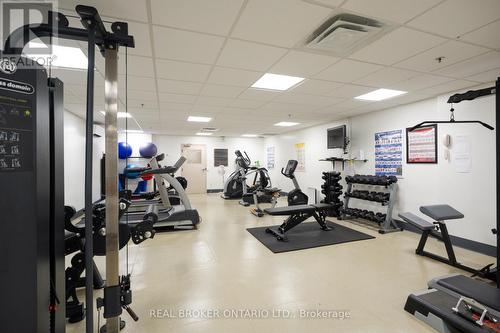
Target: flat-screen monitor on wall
337	137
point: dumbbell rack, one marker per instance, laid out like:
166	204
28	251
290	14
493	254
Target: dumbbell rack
332	191
386	199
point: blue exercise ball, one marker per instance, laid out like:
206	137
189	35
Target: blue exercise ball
129	174
148	150
124	150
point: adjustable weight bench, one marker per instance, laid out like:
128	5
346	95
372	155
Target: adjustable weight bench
298	214
437	229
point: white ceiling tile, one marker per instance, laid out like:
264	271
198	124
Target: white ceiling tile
419	82
453	18
136	83
259	94
221	91
279	22
213	101
347	71
398	11
303	64
130	10
236	77
350	91
386	76
179	87
330	3
140	94
246	103
487	35
175	70
177	98
452	52
397	45
451	86
175	107
185	45
142	103
137	65
304	99
316	87
248	55
488	76
214	16
350	104
473	66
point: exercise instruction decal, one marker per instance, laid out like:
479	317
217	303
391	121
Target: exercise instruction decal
389	153
300	150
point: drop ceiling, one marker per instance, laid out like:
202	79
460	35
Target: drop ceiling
199	57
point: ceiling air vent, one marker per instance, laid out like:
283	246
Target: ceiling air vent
344	33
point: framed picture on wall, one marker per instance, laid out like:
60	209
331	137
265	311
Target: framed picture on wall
421	145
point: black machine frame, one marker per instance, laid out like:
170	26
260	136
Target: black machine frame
95	34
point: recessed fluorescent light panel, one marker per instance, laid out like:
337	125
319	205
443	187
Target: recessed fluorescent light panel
120	114
380	94
277	82
199	119
286	124
61	57
204	133
249	135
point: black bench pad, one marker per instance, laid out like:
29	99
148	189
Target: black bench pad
291	210
416	221
441	212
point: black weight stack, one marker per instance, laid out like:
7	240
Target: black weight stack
332	190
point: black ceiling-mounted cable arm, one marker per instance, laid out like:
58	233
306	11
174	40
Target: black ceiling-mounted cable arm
457	98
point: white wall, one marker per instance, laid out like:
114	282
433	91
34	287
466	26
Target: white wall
74	162
471	193
171	146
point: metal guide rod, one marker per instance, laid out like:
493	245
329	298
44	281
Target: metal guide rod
111	172
89	143
497	142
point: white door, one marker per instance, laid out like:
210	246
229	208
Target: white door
195	167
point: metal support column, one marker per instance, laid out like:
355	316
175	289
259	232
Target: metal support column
111	174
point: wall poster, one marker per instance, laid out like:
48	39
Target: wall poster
300	151
389	153
421	145
270	157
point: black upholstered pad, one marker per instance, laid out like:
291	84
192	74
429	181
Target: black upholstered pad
417	221
479	291
322	206
441	212
290	210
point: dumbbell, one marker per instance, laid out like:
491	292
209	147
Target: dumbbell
380	218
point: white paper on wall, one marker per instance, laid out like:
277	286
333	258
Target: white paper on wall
270	157
461	154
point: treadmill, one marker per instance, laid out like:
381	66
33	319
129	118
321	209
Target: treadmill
180	216
140	205
458	303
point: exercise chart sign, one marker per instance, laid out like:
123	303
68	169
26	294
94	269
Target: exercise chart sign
389	153
421	145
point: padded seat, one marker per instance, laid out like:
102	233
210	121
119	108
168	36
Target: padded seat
441	212
290	210
417	221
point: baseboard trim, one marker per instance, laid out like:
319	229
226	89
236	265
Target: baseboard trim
464	243
214	190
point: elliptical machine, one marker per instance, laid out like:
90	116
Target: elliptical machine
236	186
294	197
